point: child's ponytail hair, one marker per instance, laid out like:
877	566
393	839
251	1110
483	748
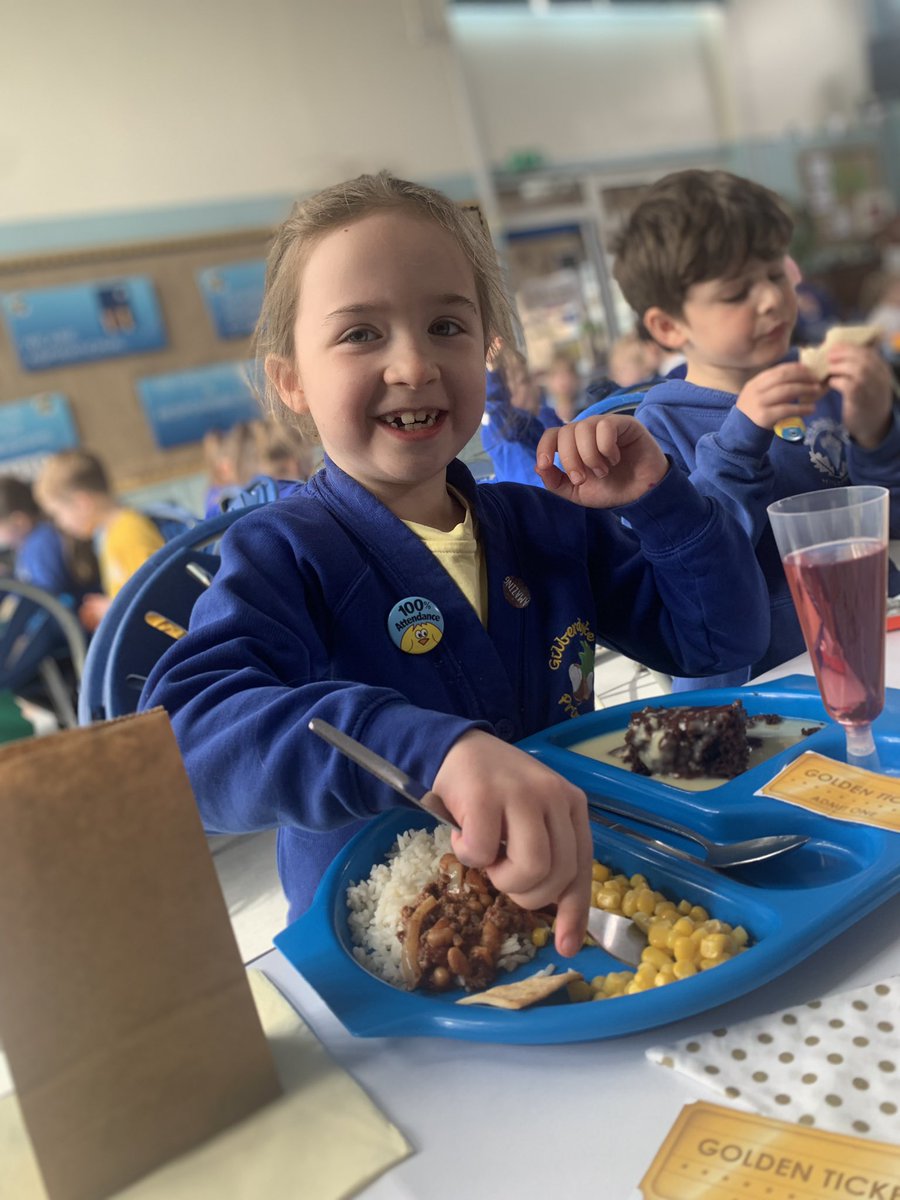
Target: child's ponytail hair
313	218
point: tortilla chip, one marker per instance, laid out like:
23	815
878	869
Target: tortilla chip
524	993
816	357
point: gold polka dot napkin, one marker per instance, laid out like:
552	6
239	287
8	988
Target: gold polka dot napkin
832	1063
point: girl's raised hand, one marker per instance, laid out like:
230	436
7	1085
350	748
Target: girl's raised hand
606	461
525	825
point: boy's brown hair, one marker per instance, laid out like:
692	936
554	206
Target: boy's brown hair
72	471
692	226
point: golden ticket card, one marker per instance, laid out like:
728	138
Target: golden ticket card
836	789
715	1153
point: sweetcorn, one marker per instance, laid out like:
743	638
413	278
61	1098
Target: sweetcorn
682	938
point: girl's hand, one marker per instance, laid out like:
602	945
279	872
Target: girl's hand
788	390
863	378
499	794
606	461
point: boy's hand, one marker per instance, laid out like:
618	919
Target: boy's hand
788	390
498	793
863	378
606	461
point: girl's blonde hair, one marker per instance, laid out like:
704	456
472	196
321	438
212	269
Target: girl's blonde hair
310	220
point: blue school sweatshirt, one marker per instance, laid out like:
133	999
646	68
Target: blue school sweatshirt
745	468
41	561
510	435
307	614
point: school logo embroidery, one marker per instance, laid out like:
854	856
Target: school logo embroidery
573	651
827	442
415	624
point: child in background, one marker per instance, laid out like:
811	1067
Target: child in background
73	489
515	417
434	620
564	386
219	472
44	557
525	391
232	460
633	360
886	315
285	452
702	261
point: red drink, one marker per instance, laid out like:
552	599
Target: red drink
840	593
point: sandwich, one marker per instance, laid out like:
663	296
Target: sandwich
816	357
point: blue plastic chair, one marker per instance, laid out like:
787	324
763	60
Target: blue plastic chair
263	489
42	648
170	519
623	400
127	643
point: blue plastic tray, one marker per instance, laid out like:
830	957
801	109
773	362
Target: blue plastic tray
791	905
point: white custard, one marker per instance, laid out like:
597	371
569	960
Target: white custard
766	742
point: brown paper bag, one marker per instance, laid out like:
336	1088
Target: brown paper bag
125	1011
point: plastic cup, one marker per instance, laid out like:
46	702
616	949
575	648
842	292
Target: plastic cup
834	547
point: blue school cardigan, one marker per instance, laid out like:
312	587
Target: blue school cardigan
326	605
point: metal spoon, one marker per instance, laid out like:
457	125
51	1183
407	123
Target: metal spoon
719	855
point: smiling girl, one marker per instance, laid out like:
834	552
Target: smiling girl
381	300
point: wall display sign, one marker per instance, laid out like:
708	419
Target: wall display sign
83	322
845	192
233	296
182	406
36	425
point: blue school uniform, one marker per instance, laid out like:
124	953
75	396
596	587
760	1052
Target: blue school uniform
747	468
41	561
510	435
326	605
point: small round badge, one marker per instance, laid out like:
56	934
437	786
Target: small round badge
416	625
791	430
515	592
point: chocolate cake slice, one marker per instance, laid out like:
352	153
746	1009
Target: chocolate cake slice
688	742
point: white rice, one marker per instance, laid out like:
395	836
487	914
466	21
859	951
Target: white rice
374	904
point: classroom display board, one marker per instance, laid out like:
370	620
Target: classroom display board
233	296
130	351
180	407
33	427
84	322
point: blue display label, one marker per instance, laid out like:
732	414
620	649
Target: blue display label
182	406
83	322
233	296
36	425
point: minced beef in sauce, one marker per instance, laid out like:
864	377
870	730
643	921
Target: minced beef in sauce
453	931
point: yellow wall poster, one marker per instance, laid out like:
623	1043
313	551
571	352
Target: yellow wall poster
717	1153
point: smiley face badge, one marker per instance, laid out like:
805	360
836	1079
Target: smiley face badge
416	625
